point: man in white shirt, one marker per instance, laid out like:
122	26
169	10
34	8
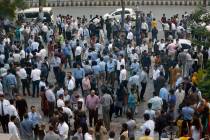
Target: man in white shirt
144	47
155	75
16	56
150	111
123	74
60	102
130	36
120	61
156	102
13	130
63	129
89	134
161	45
144	27
78	52
70	84
35	76
4	112
149	124
34	46
12	110
42	53
180	94
23	77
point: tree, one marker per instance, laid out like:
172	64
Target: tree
200	19
9	7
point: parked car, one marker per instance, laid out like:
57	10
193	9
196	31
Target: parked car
118	12
33	13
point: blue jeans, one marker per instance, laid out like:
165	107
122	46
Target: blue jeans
35	85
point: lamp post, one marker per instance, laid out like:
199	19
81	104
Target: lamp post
204	3
122	14
138	25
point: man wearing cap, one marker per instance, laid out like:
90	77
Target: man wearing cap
4	112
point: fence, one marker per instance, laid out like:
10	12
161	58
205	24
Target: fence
60	3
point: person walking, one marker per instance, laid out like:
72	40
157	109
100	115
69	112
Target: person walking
51	100
21	106
63	128
26	128
79	74
143	79
13	130
35	76
100	131
35	117
92	104
4	112
10	83
23	77
51	135
106	102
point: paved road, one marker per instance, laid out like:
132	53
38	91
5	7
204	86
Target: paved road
157	10
87	11
79	11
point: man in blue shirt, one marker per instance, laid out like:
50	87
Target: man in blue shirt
35	117
11	83
111	71
164	95
67	53
187	112
135	67
26	128
79	74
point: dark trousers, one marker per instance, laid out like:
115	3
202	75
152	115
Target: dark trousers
109	35
143	88
78	82
93	114
25	85
117	110
51	108
68	58
35	85
36	131
4	123
165	105
56	71
111	78
118	76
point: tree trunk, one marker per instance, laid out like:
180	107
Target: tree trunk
204	3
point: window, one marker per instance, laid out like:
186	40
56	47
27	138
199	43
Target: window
32	15
127	12
117	13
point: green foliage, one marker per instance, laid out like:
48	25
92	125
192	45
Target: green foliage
8	7
200	35
204	84
198	13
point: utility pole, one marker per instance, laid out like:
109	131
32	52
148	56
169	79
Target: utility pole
123	14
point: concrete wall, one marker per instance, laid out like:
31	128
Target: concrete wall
60	3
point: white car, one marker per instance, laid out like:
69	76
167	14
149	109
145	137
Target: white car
117	14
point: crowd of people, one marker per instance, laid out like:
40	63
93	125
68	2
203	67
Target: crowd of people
77	67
